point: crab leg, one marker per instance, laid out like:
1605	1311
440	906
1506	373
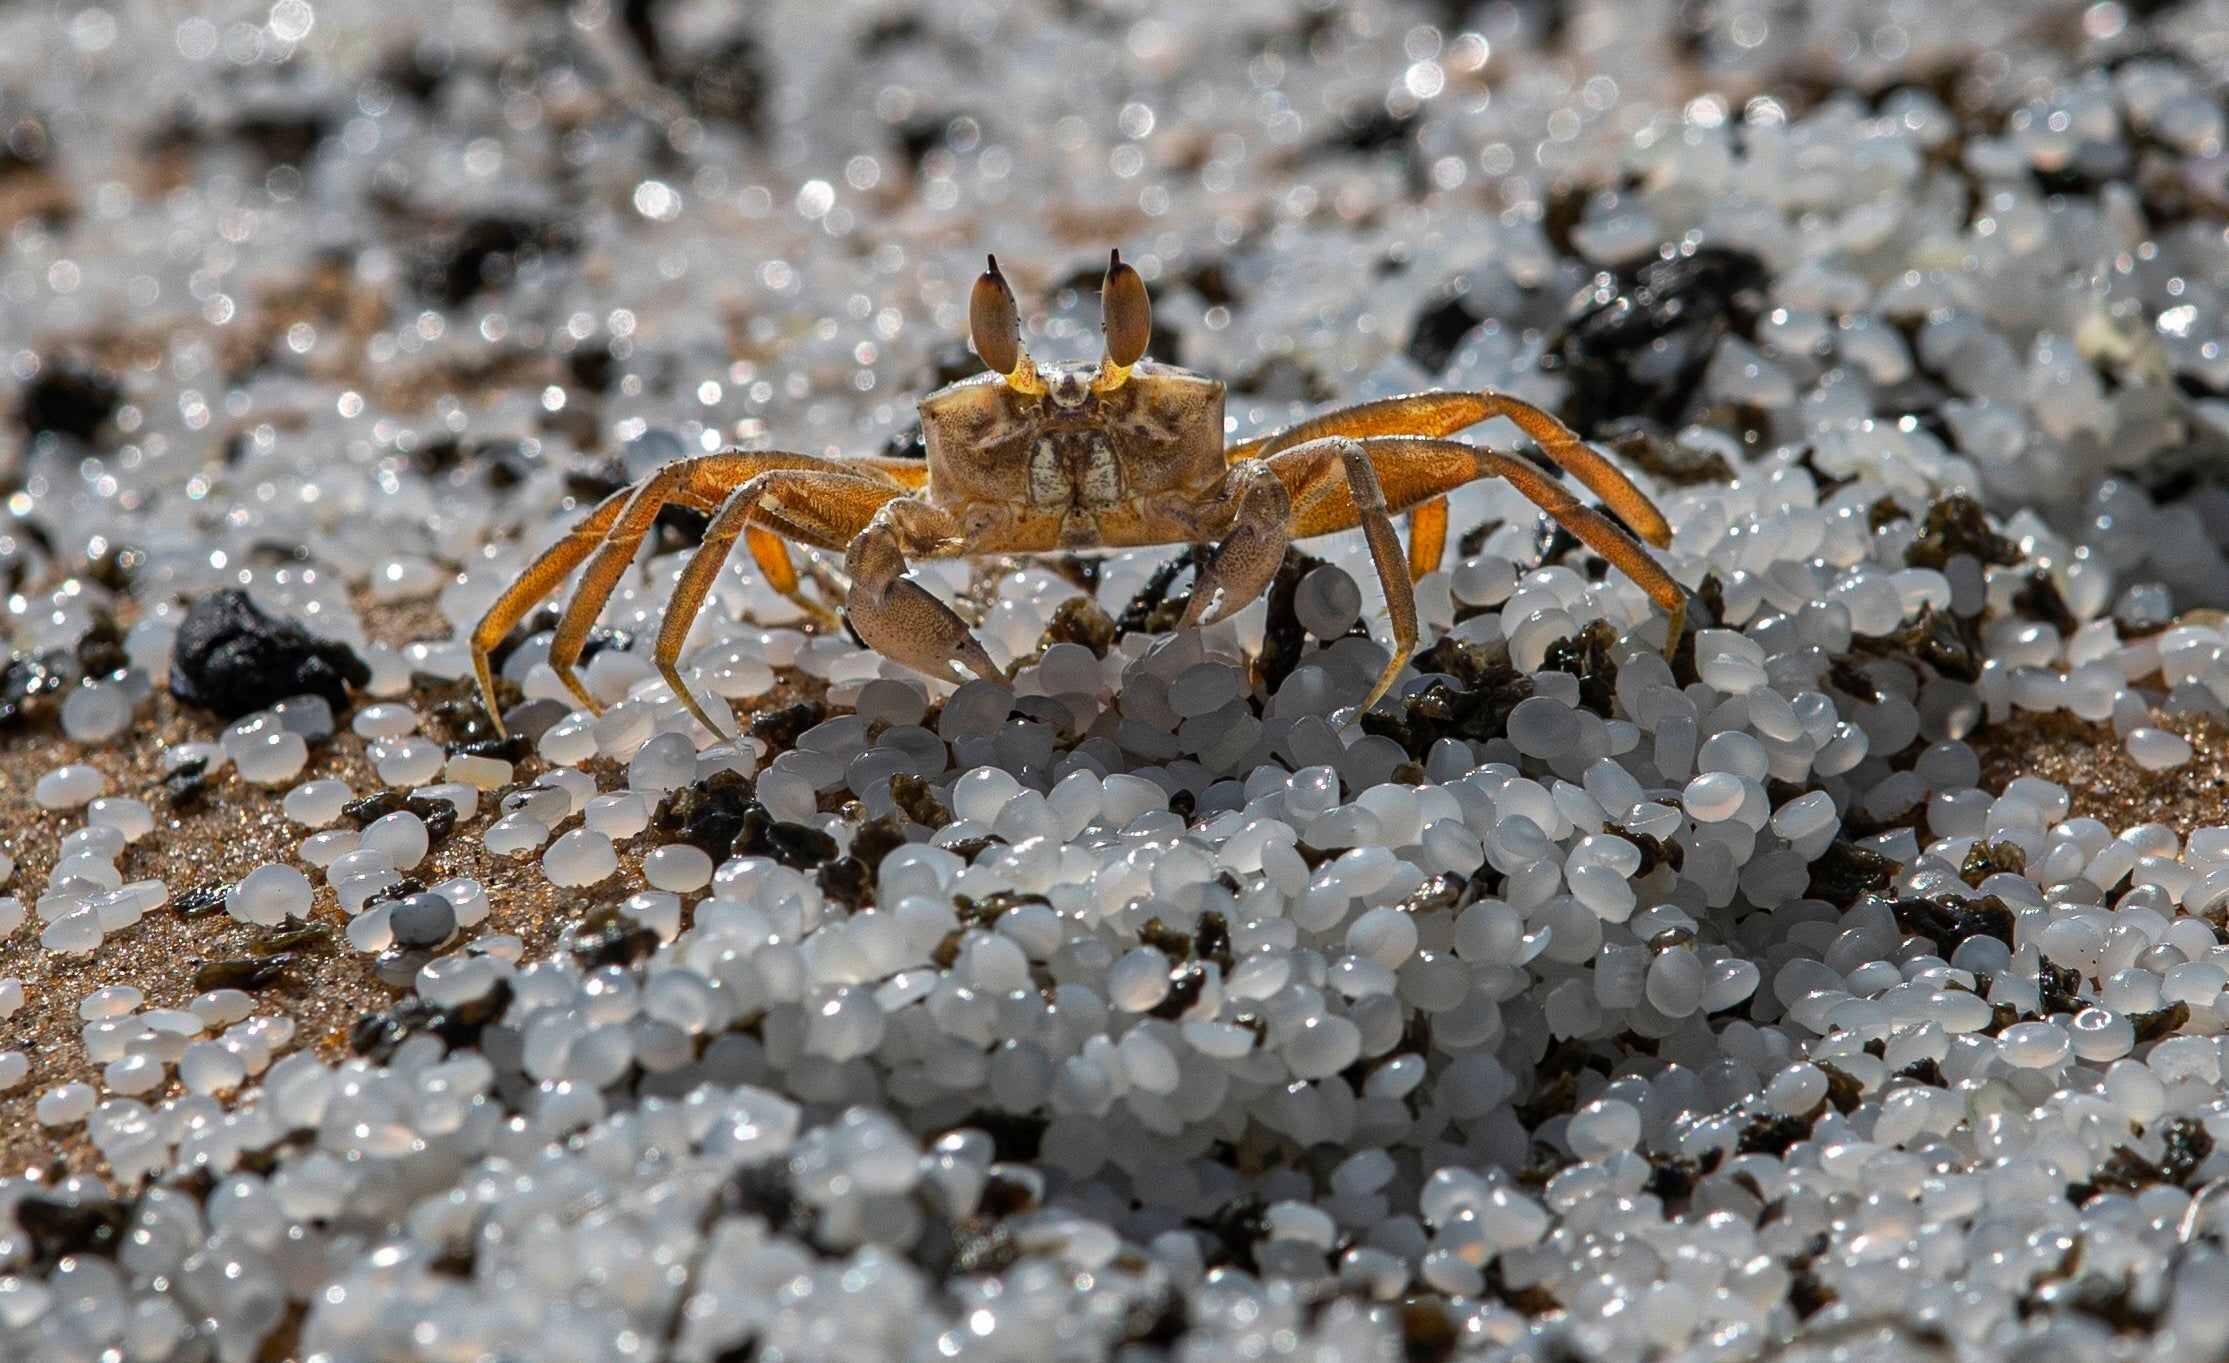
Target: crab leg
1427	537
539	579
825	509
1416	469
1438	414
771	552
625	516
1252	549
898	617
703	483
1336	473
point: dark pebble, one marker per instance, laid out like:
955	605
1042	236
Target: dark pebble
1637	343
423	920
235	660
244	972
58	1227
30	682
378	1035
70	401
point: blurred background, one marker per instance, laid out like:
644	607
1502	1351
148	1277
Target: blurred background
490	242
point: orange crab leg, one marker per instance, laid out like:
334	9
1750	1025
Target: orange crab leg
704	482
1413	470
539	580
1427	537
816	507
607	538
1340	472
1439	414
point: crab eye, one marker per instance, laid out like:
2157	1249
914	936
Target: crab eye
995	322
1126	313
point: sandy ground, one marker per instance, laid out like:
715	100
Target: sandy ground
237	827
233	829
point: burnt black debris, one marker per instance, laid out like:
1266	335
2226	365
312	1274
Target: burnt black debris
376	1036
1446	318
235	660
480	253
32	685
1636	343
1950	920
1957	525
69	400
721	816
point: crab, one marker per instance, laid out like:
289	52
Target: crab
1033	458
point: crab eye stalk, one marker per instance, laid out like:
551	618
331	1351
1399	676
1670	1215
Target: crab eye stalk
997	327
1126	316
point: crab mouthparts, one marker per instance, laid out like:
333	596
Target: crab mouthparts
1067	388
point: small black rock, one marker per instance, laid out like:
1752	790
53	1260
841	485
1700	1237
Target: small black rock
1637	343
423	920
30	681
1446	318
60	1227
235	660
69	401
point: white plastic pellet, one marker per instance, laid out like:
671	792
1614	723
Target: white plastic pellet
579	858
269	895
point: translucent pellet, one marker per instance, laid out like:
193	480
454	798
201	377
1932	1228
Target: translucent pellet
1541	727
128	816
67	787
271	757
73	933
1328	602
666	762
314	804
401	835
621	814
2034	1045
2157	749
1603	1128
579	858
1138	980
385	721
269	895
1713	796
514	834
96	713
134	1074
1323	1045
677	867
1797	1089
64	1105
480	773
210	1067
1384	935
221	1007
407	761
110	1001
1677	982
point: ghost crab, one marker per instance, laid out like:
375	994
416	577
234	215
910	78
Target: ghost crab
1031	458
